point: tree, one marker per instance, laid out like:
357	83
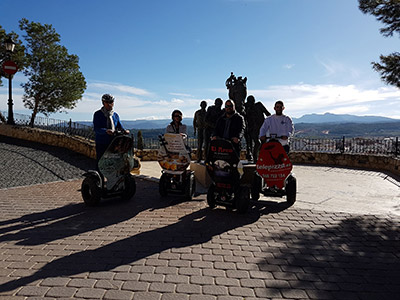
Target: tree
140	144
387	12
54	80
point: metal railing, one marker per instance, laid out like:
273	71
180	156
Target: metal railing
67	127
389	146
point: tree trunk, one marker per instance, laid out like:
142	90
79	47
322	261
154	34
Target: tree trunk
34	113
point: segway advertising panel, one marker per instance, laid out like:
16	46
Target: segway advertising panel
274	175
273	164
174	159
113	177
173	155
225	169
117	161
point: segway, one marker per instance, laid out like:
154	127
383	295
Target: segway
114	178
174	159
225	169
273	175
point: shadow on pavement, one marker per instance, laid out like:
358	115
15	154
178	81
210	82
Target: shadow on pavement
194	228
355	258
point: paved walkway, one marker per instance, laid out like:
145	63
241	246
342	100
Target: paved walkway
52	246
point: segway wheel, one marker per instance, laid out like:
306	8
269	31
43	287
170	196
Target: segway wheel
256	187
130	187
291	189
90	190
211	200
243	200
190	187
163	185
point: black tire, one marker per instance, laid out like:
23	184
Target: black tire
243	200
190	187
91	191
211	201
291	190
130	187
163	185
256	187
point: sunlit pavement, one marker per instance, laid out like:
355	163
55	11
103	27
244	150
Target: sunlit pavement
340	240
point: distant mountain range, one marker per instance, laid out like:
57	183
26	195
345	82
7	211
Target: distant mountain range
309	118
311	125
333	118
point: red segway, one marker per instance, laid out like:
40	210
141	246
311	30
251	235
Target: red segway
273	175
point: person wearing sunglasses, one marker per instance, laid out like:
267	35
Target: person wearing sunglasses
176	125
105	122
230	126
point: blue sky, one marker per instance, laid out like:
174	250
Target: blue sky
157	55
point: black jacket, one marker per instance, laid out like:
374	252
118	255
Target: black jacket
236	127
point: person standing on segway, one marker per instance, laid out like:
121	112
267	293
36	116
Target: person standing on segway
278	124
105	122
230	126
212	115
176	125
199	126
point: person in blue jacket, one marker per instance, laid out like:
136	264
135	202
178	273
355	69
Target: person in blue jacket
105	122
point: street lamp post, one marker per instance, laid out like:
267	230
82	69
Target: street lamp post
10	45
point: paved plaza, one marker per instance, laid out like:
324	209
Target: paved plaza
340	240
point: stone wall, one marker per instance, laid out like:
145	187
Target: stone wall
87	148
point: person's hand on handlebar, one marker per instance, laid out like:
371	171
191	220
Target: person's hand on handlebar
235	140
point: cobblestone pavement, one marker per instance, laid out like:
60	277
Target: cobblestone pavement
52	246
26	163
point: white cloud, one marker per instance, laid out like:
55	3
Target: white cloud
116	87
299	99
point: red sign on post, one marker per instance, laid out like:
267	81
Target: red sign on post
9	67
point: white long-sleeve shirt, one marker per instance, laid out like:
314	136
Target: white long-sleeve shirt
277	125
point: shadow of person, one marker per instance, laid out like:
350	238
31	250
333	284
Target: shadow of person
195	228
73	219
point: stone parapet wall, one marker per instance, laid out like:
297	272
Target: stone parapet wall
369	162
58	139
87	148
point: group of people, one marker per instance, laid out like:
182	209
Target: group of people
215	122
255	125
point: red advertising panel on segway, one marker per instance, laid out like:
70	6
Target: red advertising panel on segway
273	164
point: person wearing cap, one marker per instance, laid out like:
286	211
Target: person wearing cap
105	122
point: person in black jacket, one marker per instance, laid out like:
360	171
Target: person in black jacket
230	126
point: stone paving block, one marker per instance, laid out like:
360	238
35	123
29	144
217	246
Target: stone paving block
146	296
118	295
33	291
61	292
81	283
188	288
176	278
215	290
162	287
90	293
58	281
135	286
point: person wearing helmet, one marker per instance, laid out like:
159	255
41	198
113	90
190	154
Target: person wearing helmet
176	125
105	122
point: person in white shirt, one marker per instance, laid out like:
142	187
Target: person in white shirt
278	124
